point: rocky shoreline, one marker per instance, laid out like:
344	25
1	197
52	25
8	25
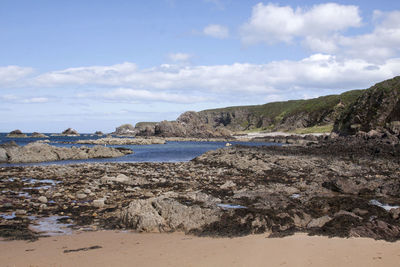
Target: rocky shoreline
337	187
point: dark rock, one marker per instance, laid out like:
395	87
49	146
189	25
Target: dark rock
70	131
38	135
16	134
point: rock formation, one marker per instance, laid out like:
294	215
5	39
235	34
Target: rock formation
16	134
70	132
38	135
125	129
39	152
378	108
99	133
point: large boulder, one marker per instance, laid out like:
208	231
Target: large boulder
378	108
166	214
70	132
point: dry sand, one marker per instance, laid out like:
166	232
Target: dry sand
132	249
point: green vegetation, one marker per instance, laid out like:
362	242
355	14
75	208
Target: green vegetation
259	117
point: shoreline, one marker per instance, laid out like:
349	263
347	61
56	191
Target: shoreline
112	248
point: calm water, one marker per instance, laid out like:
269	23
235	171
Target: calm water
169	152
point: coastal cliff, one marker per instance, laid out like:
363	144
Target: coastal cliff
376	108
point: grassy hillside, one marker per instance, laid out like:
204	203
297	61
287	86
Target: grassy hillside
286	115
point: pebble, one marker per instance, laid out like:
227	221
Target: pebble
98	203
81	196
87	191
42	199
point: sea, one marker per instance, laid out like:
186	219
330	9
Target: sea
172	151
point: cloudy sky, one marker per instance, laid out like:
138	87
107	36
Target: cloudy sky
93	64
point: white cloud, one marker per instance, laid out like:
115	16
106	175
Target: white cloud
35	100
179	57
382	43
235	83
110	75
319	71
12	74
272	23
22	100
132	95
216	31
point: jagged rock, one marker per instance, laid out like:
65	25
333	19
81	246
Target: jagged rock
16	134
377	108
70	132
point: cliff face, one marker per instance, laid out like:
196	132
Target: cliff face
281	116
349	112
377	109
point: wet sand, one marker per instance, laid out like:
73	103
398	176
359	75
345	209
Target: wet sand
111	248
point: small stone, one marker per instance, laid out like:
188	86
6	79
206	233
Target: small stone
87	191
20	212
43	206
81	196
57	195
42	199
98	203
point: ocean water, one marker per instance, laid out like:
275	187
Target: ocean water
170	152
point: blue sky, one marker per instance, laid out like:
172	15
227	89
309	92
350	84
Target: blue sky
93	65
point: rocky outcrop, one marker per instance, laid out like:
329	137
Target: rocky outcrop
39	152
125	129
189	124
70	132
16	134
145	128
122	141
378	108
164	214
38	135
99	133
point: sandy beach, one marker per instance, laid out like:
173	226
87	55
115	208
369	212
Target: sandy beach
111	248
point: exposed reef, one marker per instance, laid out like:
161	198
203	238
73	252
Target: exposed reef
40	152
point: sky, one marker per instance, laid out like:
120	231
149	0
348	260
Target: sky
96	64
